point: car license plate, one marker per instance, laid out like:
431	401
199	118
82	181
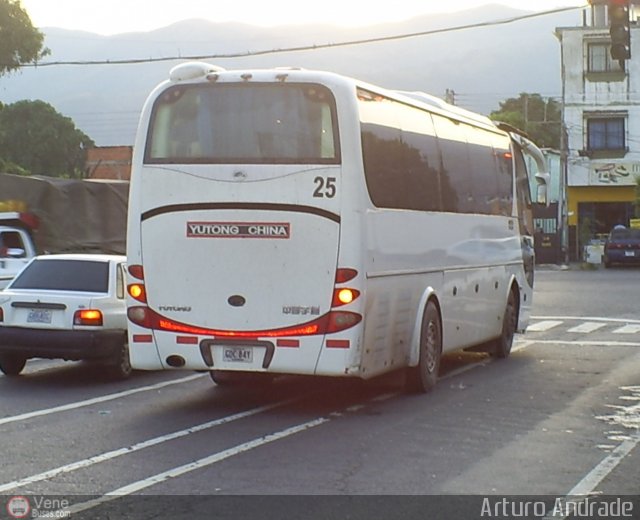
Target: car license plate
238	354
629	253
39	316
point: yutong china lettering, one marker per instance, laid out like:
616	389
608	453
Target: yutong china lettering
237	230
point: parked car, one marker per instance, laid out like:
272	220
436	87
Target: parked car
70	307
622	247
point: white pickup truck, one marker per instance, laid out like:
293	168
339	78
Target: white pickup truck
16	244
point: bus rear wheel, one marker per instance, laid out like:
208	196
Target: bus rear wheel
422	378
12	365
502	345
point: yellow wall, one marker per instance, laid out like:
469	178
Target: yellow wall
577	194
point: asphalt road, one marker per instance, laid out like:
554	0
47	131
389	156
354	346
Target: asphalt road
560	417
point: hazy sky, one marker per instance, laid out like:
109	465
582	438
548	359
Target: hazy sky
117	16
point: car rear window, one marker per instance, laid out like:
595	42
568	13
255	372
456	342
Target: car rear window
64	275
625	234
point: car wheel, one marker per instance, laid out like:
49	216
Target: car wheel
502	345
422	378
121	368
12	365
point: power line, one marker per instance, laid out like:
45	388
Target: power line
309	47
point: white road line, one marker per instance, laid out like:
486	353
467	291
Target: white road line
628	329
543	325
109	455
591	480
586	343
585	318
96	400
589	326
195	465
96	459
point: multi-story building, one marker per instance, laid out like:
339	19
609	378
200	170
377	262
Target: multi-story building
601	116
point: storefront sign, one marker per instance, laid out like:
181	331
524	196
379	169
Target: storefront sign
613	174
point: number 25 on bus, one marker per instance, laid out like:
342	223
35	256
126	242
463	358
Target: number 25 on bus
300	222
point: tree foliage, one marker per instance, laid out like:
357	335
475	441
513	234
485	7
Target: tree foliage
34	136
538	117
20	41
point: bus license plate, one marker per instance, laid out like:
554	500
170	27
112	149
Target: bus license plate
238	354
39	316
629	253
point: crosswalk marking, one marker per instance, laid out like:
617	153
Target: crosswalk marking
627	329
543	325
586	327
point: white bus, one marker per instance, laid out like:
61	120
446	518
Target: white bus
290	221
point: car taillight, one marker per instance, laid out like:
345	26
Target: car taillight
1	315
89	317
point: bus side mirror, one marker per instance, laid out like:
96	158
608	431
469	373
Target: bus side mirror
542	196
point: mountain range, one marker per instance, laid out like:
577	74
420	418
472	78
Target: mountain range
481	65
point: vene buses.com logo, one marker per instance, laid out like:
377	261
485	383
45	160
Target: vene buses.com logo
18	507
238	230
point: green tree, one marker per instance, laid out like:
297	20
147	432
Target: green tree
34	136
20	41
538	117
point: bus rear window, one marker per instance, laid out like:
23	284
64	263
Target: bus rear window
261	123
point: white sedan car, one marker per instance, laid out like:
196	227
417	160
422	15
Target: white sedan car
68	306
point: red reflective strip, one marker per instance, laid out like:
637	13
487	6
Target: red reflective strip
187	340
143	338
338	343
294	343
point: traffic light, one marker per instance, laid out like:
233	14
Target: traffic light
619	29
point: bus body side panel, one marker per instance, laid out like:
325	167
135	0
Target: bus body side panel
463	259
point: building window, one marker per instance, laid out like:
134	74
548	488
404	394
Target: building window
600	58
605	133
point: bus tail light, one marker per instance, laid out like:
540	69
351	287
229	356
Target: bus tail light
345	274
137	271
334	321
91	317
137	292
344	296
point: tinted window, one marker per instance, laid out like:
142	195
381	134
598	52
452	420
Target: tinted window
415	159
400	154
65	275
625	234
244	123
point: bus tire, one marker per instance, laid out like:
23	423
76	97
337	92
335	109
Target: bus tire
422	378
120	367
502	345
11	364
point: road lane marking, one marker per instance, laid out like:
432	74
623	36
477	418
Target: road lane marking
585	318
543	325
96	400
109	455
585	343
196	465
96	459
628	329
589	326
